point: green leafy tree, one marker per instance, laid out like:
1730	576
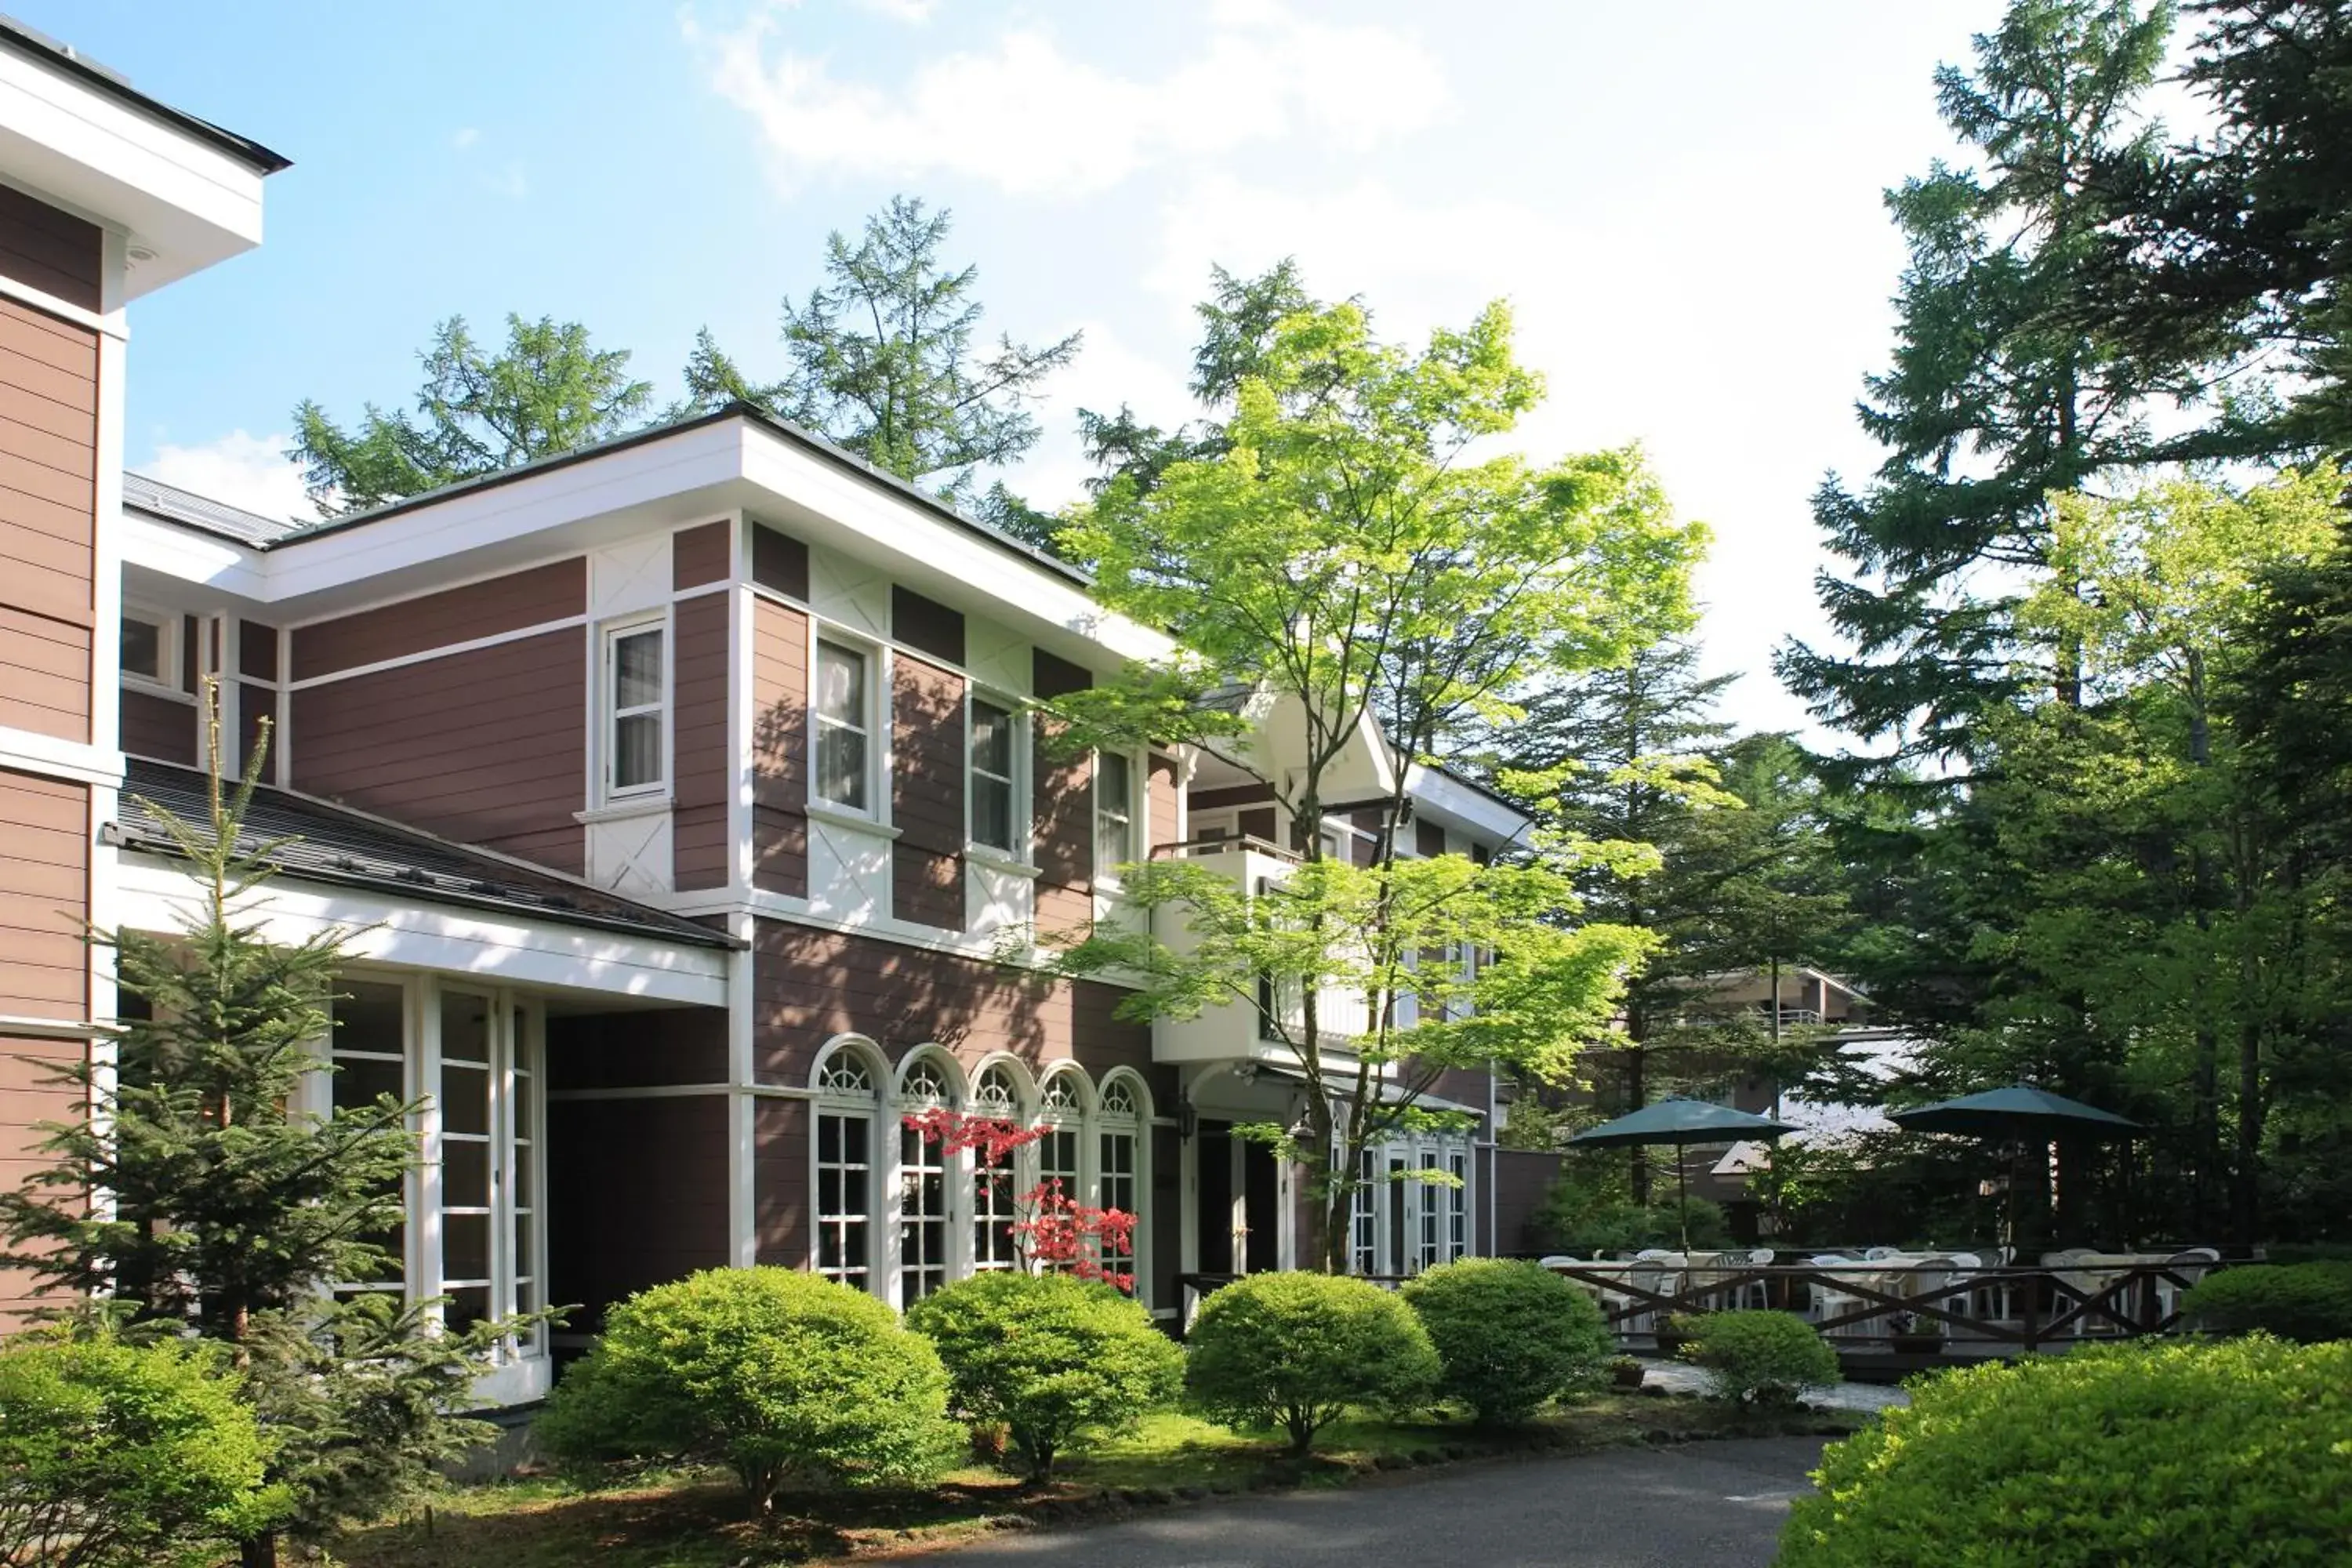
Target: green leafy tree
232	1210
478	413
883	360
1377	595
2002	392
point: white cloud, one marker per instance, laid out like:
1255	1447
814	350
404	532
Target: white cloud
239	469
466	138
1027	117
914	12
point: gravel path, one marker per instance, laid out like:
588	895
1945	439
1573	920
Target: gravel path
1715	1505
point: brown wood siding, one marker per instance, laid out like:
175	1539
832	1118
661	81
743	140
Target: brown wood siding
508	604
700	850
780	562
43	897
926	625
1237	794
780	748
779	1182
1160	819
1258	821
700	555
56	252
30	1095
809	985
1053	677
1428	840
637	1195
48	449
153	725
257	706
256	650
926	785
488	746
1521	1179
666	1048
1063	831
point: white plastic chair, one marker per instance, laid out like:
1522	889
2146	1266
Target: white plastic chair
2191	1264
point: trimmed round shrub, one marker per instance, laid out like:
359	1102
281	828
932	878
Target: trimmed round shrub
2309	1303
2189	1453
1511	1335
1050	1356
1292	1352
116	1454
781	1376
1760	1358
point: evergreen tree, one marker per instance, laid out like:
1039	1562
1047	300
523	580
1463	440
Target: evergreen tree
883	362
2002	390
548	392
232	1211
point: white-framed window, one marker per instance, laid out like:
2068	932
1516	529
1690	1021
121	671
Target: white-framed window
1432	1250
1118	1181
1364	1212
1458	1206
922	1216
994	1186
637	709
151	648
843	725
844	1170
368	1046
1113	812
992	787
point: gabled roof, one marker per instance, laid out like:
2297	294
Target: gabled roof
172	504
65	58
323	842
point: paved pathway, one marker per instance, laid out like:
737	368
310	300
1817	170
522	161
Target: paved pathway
1715	1504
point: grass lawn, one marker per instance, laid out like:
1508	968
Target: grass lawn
700	1522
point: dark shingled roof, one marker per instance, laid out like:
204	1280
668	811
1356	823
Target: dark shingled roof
329	842
201	514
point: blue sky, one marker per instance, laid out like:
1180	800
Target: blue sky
1683	203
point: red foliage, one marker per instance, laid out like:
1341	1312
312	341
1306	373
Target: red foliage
1059	1232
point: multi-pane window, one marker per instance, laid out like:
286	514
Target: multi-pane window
1119	1186
1114	811
1057	1159
844	726
369	1048
993	1208
993	758
844	1170
637	693
521	1170
1458	1206
1433	1194
467	1157
922	1216
1364	1212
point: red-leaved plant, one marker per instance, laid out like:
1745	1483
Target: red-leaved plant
1056	1233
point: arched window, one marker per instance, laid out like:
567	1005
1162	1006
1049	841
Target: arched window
1119	1140
1062	1112
923	1217
847	1097
994	1185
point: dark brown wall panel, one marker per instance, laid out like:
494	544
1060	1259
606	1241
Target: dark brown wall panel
700	555
927	783
44	832
1259	822
668	1046
154	725
44	675
256	705
256	650
1428	839
1522	1178
927	624
699	845
780	562
508	604
1063	831
488	746
780	748
53	251
779	1177
1054	677
637	1195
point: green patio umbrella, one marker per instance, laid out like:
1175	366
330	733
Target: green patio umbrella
1680	1122
2016	1112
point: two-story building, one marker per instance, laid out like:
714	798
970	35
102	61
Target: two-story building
681	802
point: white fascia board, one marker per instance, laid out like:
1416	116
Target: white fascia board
186	556
1443	798
511	949
189	202
841	510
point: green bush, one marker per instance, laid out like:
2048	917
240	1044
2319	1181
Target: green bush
779	1376
1579	1220
1509	1336
1760	1358
1049	1355
115	1454
1293	1352
2310	1303
2189	1454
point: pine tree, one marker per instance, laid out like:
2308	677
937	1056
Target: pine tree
2003	389
232	1211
